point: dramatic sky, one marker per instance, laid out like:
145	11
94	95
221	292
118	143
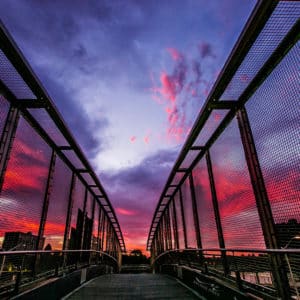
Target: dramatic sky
129	78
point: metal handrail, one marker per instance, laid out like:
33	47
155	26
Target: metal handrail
245	250
3	253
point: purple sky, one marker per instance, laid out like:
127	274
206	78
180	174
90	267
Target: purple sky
129	78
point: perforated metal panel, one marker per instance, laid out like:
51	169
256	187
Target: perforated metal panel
207	223
76	228
179	221
45	121
212	123
58	206
172	225
4	108
13	80
273	112
284	17
24	183
95	235
239	216
188	214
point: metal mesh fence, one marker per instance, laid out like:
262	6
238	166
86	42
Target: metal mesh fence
212	123
172	226
24	186
45	121
4	107
188	215
179	221
58	207
13	80
95	234
76	226
207	223
274	117
239	216
279	24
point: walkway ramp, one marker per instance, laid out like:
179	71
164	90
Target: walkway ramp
133	286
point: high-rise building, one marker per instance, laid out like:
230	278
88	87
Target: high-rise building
17	240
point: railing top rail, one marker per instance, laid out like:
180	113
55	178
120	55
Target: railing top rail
233	250
3	253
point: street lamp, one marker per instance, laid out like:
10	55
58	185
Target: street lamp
296	237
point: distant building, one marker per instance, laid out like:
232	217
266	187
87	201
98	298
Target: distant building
84	226
17	240
286	232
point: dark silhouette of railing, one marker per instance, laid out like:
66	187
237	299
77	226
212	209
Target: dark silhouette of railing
27	269
234	184
54	212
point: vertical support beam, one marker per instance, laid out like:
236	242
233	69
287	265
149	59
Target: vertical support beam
217	212
159	238
93	216
183	219
39	243
175	225
69	213
99	228
169	229
7	138
262	202
107	234
84	219
195	211
103	231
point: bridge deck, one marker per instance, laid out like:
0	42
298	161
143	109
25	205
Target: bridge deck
133	286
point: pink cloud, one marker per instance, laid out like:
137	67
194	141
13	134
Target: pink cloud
168	89
147	139
175	54
126	212
133	139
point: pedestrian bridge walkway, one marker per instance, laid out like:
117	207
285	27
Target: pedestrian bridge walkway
133	286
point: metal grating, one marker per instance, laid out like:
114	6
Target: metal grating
88	178
190	157
24	184
95	234
274	116
207	223
212	123
58	206
238	212
76	226
12	79
179	221
283	18
188	214
45	121
177	178
73	158
4	108
171	216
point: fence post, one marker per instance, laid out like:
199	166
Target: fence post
217	213
7	139
262	203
